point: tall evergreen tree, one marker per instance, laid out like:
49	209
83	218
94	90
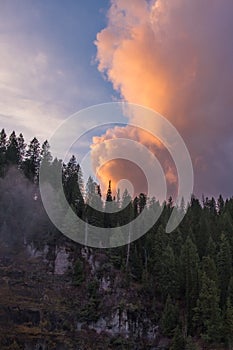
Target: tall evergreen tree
135	206
178	341
230	290
46	155
109	193
94	206
220	205
211	248
12	150
224	266
229	324
32	160
125	217
169	318
168	280
190	345
142	199
189	262
90	190
55	173
109	217
3	142
202	234
73	186
207	312
159	243
22	146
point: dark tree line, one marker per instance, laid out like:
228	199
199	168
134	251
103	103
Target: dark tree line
188	272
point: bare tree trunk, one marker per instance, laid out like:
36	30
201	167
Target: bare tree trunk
86	232
128	248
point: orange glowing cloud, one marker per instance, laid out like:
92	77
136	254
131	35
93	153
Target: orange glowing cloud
117	169
140	53
176	58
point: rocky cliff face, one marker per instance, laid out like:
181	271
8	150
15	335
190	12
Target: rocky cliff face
67	297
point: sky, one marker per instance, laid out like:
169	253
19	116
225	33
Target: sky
176	57
47	62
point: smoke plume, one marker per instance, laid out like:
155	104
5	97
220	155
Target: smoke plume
177	58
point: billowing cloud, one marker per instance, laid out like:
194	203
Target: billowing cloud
117	168
177	58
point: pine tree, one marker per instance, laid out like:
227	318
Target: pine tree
55	173
46	155
135	206
109	193
190	345
79	276
229	324
202	235
12	150
178	341
207	312
209	267
189	263
109	218
220	205
159	242
142	201
49	171
99	191
73	186
3	142
136	262
125	217
168	281
230	290
224	266
22	147
32	160
169	317
93	209
211	248
90	190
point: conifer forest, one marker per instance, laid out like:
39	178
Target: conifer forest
163	291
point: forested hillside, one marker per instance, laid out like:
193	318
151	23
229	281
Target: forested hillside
166	290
